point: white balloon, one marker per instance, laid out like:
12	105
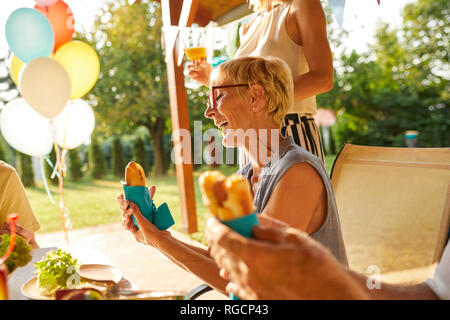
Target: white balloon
74	125
26	130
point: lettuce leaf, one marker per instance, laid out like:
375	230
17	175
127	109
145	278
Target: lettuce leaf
57	270
20	255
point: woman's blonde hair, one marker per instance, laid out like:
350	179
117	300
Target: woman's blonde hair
272	73
258	5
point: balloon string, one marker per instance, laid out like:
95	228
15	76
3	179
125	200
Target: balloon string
61	168
44	178
66	125
54	167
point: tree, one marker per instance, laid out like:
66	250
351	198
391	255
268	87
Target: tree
139	154
75	173
8	87
118	158
398	85
97	167
25	169
132	89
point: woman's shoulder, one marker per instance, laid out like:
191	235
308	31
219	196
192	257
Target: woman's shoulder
291	152
6	169
293	156
8	174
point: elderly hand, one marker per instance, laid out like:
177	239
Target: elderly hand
147	233
21	231
200	72
280	263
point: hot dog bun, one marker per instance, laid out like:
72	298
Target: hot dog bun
226	197
134	175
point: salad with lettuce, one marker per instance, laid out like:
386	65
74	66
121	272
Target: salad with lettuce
20	255
57	270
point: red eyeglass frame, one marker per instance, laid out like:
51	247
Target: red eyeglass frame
212	95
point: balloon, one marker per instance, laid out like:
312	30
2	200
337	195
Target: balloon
29	34
45	86
25	129
74	125
61	20
14	69
45	3
82	65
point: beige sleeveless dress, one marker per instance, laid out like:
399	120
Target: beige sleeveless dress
267	37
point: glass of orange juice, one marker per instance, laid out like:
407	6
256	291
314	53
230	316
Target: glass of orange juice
195	45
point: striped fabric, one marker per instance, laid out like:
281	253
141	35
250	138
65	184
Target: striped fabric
303	129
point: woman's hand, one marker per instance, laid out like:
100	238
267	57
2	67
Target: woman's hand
147	233
200	72
26	234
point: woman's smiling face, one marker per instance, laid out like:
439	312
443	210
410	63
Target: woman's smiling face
229	110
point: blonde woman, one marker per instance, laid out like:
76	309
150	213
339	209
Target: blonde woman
249	98
294	31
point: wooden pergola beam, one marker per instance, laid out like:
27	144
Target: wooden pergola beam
175	12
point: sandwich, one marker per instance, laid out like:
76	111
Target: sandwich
227	198
134	175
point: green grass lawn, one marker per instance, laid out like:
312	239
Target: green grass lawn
92	202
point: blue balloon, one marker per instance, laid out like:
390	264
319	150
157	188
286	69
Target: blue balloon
29	34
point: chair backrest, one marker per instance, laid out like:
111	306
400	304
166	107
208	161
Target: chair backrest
394	205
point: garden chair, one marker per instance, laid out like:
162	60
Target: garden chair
393	204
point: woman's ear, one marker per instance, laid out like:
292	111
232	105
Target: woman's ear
256	96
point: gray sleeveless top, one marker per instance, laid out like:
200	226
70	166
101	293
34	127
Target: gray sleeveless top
329	234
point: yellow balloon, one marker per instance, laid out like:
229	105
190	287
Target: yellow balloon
14	68
81	63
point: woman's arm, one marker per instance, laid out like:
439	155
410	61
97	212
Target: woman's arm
307	26
299	199
191	258
194	260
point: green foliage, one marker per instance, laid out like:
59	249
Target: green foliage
96	160
2	152
332	142
139	154
402	84
25	169
118	159
75	173
132	89
55	270
8	88
20	255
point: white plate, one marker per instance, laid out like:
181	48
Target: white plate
31	290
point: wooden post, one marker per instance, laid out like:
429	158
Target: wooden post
171	11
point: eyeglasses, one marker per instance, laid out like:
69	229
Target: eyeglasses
212	97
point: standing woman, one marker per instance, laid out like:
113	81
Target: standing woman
294	31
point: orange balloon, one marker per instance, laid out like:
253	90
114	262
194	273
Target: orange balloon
61	20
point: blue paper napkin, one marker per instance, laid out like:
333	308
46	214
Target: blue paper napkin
243	226
160	217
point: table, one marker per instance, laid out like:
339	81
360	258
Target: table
83	254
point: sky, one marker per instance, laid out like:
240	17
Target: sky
360	17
